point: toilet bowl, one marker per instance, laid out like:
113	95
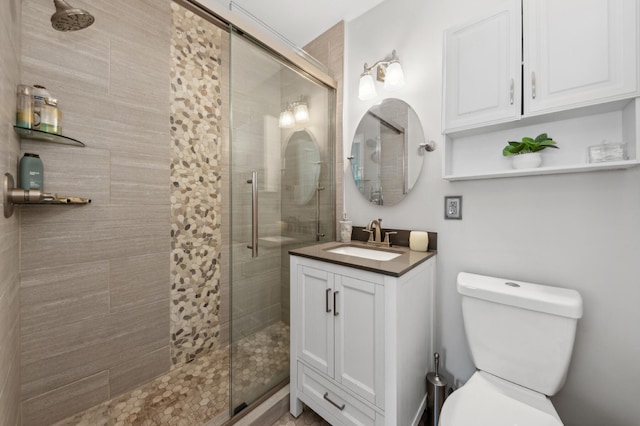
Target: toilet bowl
486	400
521	338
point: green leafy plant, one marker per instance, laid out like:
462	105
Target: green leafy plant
528	145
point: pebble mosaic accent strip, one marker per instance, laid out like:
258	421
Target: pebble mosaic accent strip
196	138
197	392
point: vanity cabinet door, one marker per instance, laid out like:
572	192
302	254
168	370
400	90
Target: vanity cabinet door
315	331
482	76
359	337
578	52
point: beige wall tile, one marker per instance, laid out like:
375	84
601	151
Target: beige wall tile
56	296
129	375
128	80
52	406
92	214
58	356
10	392
9	322
139	280
89	242
139	179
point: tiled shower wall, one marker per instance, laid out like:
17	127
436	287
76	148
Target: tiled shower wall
94	295
9	228
199	52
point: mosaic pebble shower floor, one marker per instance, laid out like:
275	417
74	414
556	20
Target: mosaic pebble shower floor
198	392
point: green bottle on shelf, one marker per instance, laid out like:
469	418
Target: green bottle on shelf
31	172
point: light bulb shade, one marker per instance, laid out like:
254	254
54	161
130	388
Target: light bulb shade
394	78
287	120
301	113
367	88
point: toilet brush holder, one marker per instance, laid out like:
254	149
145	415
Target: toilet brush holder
436	393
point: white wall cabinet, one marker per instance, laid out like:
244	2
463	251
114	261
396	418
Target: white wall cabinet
360	342
578	53
482	83
575	62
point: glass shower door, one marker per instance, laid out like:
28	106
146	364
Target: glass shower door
281	155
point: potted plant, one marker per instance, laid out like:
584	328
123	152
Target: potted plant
526	153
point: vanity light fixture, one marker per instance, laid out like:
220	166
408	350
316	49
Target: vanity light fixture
388	70
292	114
301	112
287	119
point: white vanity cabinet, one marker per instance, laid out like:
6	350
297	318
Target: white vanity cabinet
570	53
360	342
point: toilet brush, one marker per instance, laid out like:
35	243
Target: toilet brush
436	393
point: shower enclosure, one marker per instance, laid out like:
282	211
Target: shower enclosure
253	159
281	196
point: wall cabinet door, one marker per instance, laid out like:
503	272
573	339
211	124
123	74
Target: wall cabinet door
482	76
578	52
315	332
359	337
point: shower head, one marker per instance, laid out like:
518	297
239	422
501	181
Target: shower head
68	18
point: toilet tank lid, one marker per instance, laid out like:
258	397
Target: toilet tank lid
542	298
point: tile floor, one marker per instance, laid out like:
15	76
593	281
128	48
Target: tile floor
310	418
307	418
199	391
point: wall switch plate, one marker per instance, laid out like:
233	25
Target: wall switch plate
453	207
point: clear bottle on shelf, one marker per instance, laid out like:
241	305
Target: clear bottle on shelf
24	107
50	117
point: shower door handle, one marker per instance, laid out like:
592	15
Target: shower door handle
254	213
318	233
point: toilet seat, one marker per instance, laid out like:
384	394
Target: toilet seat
487	400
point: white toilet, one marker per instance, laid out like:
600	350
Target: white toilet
521	337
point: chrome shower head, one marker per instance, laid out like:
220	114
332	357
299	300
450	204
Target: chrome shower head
68	18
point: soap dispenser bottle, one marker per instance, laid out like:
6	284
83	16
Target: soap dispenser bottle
345	229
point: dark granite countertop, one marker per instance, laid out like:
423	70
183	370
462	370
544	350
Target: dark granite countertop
395	267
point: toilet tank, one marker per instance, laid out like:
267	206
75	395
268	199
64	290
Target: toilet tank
519	331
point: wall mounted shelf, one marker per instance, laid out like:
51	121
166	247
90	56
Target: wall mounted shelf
477	153
13	196
38	135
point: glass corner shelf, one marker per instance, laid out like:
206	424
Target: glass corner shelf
39	135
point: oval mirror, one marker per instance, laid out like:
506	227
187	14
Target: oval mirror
385	155
301	167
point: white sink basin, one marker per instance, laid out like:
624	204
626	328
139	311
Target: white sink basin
365	253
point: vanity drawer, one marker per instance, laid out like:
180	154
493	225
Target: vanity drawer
336	402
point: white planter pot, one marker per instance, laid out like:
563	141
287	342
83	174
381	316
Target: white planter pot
530	160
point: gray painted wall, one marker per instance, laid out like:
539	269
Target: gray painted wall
582	230
9	228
